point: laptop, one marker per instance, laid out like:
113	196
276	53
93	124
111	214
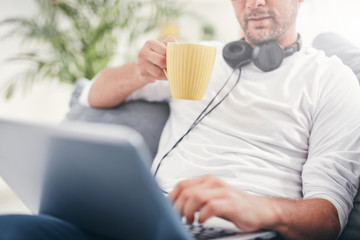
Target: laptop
98	178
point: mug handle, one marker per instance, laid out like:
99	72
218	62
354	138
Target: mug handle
165	71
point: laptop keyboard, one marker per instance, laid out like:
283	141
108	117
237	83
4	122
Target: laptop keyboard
199	232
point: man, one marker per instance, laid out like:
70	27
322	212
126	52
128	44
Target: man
314	212
279	153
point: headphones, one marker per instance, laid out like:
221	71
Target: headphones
267	56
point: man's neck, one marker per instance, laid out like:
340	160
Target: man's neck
288	39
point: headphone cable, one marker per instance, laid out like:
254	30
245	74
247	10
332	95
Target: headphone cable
201	116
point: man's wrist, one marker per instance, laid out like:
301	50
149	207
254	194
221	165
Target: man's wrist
276	219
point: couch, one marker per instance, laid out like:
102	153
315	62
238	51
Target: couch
149	118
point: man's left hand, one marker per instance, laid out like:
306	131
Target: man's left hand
213	197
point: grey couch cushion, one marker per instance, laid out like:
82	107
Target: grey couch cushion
333	44
146	118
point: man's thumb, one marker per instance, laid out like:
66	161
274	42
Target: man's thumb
169	39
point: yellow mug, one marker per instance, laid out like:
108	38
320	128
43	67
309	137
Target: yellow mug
188	69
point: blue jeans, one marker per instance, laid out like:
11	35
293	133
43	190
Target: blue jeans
40	227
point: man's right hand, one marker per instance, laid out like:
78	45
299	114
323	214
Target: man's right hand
113	85
152	59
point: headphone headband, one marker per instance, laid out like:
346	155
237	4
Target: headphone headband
267	56
290	50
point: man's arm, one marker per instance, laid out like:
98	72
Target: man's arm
114	85
307	219
293	219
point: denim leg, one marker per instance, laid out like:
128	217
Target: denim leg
40	227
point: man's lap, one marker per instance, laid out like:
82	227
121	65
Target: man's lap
41	227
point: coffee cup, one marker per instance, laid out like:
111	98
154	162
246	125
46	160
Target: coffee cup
188	69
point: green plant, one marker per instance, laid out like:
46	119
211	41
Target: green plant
79	37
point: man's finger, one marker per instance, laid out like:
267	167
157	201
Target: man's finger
169	39
217	208
156	46
157	59
193	182
200	197
155	71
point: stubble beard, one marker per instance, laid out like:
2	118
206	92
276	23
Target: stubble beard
278	26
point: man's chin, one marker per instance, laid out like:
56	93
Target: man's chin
259	36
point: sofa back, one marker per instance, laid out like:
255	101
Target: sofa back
146	118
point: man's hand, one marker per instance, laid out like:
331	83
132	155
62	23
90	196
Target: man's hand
213	197
152	59
113	85
293	219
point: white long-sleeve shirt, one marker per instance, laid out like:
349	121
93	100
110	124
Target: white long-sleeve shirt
293	132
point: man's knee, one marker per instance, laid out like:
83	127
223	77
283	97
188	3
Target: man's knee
28	227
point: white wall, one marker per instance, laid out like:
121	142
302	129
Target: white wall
49	102
342	17
315	16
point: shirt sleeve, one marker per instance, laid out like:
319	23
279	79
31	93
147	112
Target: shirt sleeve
83	99
332	169
157	91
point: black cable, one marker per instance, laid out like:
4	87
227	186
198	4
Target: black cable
201	116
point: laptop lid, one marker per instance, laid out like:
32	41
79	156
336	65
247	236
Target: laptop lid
22	159
97	177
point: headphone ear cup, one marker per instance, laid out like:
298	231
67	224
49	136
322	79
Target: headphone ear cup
237	54
268	56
